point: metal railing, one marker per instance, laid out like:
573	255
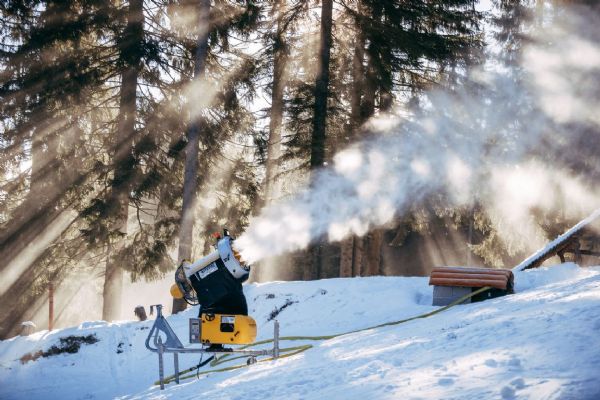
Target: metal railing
172	344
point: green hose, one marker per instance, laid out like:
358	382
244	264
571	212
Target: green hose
291	351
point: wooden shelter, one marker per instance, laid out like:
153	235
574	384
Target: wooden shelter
452	283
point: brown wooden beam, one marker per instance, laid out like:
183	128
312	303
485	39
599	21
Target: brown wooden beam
465	282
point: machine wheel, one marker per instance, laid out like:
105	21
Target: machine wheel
251	360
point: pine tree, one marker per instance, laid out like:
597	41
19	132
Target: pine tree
193	146
220	119
280	54
319	121
46	79
85	97
130	56
408	44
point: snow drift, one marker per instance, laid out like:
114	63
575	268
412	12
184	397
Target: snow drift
537	344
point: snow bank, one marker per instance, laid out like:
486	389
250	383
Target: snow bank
558	274
520	346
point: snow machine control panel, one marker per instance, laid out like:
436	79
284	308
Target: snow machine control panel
222	329
195	330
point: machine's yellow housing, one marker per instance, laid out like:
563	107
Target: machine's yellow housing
227	329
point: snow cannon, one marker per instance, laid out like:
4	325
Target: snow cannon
214	282
228	256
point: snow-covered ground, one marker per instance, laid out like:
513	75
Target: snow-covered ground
541	343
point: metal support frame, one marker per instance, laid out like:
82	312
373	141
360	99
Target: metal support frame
161	369
172	344
276	339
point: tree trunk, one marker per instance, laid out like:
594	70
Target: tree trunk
190	184
50	305
385	99
130	52
357	265
358	77
373	253
346	257
371	74
280	52
375	239
351	251
321	94
369	263
314	254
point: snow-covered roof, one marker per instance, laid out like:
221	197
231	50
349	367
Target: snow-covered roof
552	247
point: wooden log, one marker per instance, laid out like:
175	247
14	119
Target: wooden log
495	283
471	270
469	273
456	275
472	277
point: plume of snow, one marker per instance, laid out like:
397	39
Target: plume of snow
480	143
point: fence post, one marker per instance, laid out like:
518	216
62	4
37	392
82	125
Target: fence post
276	340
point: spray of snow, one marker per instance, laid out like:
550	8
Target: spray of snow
482	144
567	76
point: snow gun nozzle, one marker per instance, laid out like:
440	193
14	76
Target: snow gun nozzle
224	253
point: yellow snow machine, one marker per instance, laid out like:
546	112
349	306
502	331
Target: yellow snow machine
214	283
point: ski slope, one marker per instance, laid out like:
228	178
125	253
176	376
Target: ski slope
541	343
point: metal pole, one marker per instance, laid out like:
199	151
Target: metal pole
176	360
161	371
276	340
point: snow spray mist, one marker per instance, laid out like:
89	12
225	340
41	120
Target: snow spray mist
492	141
